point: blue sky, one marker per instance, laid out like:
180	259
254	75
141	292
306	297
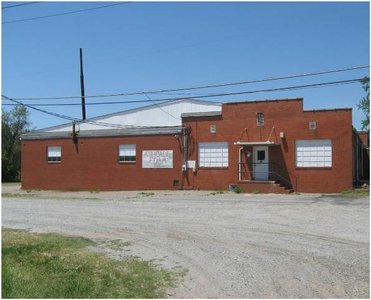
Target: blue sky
141	46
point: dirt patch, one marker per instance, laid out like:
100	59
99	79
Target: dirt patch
233	246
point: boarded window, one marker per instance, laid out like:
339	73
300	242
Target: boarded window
213	154
54	154
313	153
127	153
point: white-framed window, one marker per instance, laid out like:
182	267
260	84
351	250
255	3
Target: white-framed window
127	153
213	154
313	153
54	154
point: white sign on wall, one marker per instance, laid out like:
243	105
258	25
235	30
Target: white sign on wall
157	159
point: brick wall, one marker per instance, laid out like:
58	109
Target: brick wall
238	123
93	165
364	135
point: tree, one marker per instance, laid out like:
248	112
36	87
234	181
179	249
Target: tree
364	104
13	124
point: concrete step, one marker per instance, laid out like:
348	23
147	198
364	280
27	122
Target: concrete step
258	186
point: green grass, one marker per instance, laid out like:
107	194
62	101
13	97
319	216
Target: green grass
116	244
55	266
146	194
356	193
10	183
217	193
46	197
12	195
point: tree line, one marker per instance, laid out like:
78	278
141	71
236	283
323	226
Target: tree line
13	124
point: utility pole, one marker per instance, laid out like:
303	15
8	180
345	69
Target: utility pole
82	87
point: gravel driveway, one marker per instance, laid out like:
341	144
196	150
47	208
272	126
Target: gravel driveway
233	245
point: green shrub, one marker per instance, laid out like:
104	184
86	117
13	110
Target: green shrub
238	190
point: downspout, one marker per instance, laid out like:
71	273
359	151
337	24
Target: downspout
185	148
354	152
74	133
239	164
358	159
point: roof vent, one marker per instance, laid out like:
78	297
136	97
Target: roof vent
212	128
312	125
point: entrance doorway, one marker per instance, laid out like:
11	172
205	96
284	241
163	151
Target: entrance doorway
260	163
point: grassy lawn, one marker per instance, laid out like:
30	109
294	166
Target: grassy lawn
356	193
10	183
56	266
12	195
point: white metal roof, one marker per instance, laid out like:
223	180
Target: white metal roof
155	115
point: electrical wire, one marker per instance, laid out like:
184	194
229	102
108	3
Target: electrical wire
297	87
200	87
38	109
16	5
162	108
78	121
65	13
118	126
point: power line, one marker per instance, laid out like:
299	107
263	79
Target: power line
159	106
118	126
16	5
62	14
202	87
103	124
38	109
314	85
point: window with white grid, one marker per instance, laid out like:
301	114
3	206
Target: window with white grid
127	153
213	154
54	154
313	153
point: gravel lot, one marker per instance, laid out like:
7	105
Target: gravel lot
233	245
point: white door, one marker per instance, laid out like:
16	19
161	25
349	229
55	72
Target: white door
261	168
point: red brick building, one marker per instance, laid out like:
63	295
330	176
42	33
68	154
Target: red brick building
266	146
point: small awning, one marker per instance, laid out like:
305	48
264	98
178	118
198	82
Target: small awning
267	143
